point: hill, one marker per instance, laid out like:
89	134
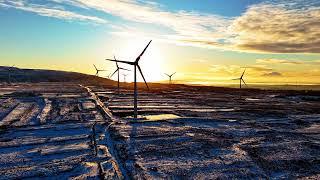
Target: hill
17	75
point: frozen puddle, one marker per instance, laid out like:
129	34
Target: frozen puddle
252	99
158	117
87	105
161	117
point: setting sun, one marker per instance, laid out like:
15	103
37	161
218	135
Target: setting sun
151	63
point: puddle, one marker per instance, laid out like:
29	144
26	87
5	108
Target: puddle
252	99
158	117
232	120
87	105
161	117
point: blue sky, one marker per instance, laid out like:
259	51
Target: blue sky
230	8
209	40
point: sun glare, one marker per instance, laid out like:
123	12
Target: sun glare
151	62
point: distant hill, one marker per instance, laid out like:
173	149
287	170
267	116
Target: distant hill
38	75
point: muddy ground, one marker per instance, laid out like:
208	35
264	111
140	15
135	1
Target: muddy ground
55	130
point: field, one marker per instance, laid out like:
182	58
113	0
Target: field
59	130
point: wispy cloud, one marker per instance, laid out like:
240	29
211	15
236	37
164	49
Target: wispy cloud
287	62
278	61
272	74
49	11
182	26
235	70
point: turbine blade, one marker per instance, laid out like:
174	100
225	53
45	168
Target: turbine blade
114	73
173	73
167	74
243	72
236	79
116	62
120	61
143	76
95	67
244	82
138	58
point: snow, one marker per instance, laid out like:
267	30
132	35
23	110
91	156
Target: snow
65	132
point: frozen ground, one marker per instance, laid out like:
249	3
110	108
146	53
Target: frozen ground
51	130
54	131
203	134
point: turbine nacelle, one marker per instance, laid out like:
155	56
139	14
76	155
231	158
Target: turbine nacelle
98	70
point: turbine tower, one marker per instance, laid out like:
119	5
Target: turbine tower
136	65
98	70
170	76
241	79
118	70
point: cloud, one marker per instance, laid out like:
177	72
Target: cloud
279	27
272	74
225	69
44	10
288	62
259	68
278	61
180	25
235	70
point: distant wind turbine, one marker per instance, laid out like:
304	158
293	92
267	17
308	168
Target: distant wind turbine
124	77
108	77
118	70
10	69
241	79
98	70
170	76
136	65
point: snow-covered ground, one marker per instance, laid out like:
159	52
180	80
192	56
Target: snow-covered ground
52	130
218	135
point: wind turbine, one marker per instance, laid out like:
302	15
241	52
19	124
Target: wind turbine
170	76
108	77
118	70
241	79
10	69
98	70
124	77
136	65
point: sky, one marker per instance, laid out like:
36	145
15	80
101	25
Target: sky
205	42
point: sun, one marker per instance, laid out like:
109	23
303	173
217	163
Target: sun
151	63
